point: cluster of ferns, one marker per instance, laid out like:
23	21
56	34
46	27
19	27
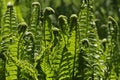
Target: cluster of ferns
71	50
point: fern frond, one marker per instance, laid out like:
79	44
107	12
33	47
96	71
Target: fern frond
29	47
9	33
88	39
35	26
26	68
25	46
47	42
48	36
2	66
63	59
73	42
112	51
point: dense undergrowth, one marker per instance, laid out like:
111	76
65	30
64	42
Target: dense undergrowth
70	49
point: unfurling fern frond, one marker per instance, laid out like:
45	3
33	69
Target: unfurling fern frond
25	47
48	11
73	43
9	41
22	27
29	47
47	28
35	25
112	50
95	46
62	58
88	55
63	25
115	33
83	44
47	42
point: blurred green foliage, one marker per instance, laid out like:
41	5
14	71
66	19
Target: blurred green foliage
102	9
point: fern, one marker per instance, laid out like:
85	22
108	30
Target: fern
34	26
83	45
88	39
26	69
29	47
25	48
35	49
56	52
8	41
47	40
47	26
65	64
73	40
2	66
113	53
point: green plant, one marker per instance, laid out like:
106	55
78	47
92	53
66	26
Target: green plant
70	49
